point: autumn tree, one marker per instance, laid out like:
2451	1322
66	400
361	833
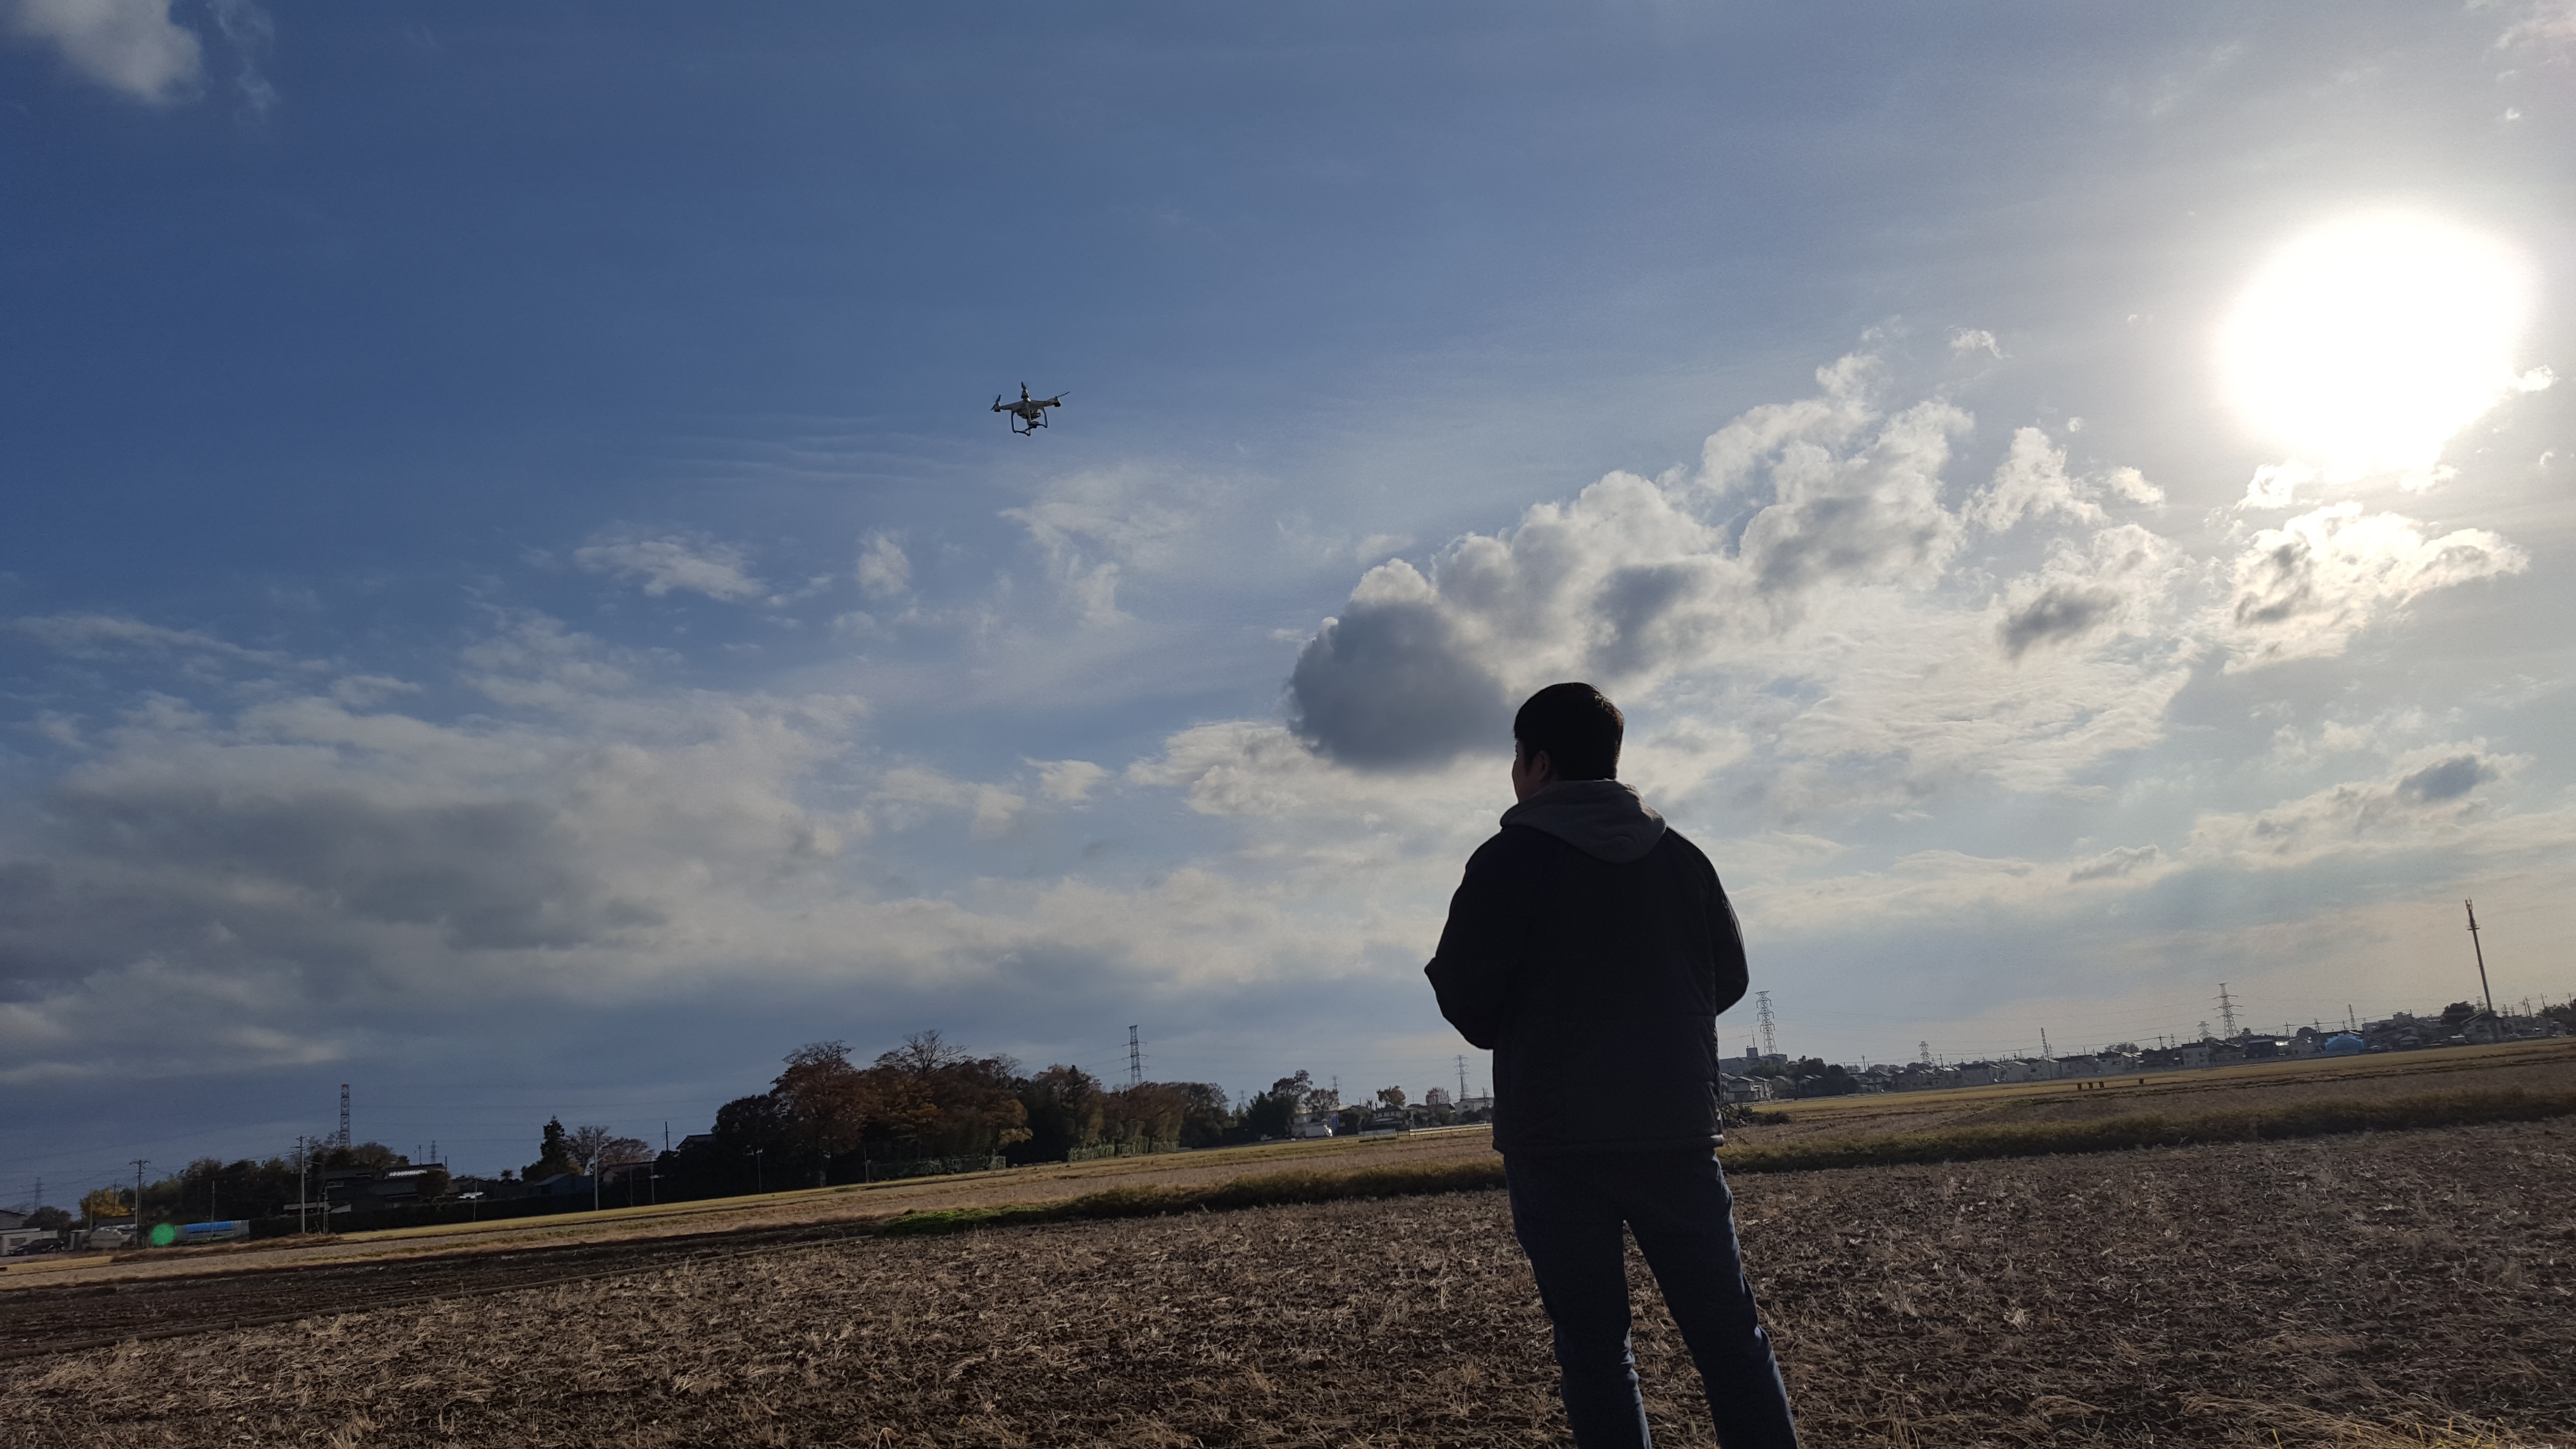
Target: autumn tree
826	1102
1062	1106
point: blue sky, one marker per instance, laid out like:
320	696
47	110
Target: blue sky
514	600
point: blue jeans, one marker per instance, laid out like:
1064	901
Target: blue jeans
1567	1212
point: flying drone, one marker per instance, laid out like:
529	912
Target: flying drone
1029	413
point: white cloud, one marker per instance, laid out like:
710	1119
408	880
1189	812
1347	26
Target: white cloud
1068	781
884	570
1097	527
1809	585
2303	590
1975	339
130	46
993	811
2426	799
690	561
101	636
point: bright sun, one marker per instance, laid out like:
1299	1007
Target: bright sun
2365	344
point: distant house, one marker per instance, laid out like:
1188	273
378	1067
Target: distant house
1743	1089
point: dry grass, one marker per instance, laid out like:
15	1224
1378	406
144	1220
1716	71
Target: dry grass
2397	1289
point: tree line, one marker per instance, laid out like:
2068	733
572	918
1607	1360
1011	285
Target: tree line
826	1119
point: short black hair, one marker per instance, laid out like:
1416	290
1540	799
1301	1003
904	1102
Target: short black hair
1578	729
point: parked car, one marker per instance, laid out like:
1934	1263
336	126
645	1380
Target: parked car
40	1245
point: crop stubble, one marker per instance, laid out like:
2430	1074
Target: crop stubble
2208	1294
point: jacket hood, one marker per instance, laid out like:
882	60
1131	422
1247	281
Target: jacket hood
1602	818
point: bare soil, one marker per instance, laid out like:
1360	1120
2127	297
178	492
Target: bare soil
2327	1291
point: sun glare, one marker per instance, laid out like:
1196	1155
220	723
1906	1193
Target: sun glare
2364	345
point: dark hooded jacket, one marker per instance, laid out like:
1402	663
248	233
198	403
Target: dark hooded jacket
1590	948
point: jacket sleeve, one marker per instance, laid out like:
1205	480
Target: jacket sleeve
1734	976
1478	964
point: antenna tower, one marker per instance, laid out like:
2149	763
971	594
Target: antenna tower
2226	1011
1135	1059
1762	1019
2477	946
344	1114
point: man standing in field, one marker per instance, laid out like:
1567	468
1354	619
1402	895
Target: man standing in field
1591	948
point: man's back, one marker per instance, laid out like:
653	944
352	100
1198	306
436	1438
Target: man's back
1591	949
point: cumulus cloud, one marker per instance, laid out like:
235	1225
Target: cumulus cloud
2305	589
2032	482
130	46
1388	683
690	561
1808	581
2121	576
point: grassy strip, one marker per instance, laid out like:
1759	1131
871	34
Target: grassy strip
1961	1144
2315	1118
1264	1190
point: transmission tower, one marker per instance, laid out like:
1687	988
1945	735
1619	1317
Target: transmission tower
1762	1019
1135	1059
1462	1079
1923	1052
2226	1012
2043	1043
344	1114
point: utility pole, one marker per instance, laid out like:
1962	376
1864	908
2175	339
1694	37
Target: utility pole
1135	1059
2476	946
1762	1019
303	1194
138	1200
344	1116
2226	1012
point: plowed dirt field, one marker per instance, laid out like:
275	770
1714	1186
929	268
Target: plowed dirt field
2322	1291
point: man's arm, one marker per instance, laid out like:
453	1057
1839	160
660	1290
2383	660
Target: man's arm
1477	965
1733	975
